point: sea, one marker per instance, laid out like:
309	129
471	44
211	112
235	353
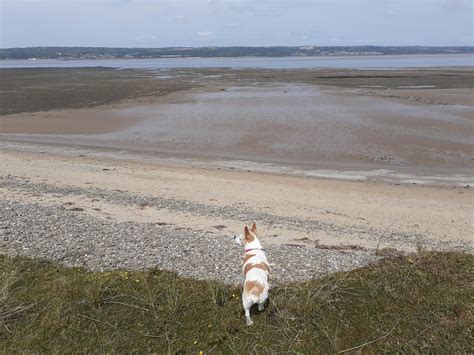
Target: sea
349	62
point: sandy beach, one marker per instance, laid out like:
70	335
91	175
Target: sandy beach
337	175
294	210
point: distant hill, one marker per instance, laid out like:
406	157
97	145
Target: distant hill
170	52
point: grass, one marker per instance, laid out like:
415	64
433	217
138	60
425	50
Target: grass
405	304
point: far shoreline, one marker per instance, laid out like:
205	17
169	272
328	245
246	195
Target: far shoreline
323	59
259	56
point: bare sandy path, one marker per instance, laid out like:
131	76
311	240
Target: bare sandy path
290	210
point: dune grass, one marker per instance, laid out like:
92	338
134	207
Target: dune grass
414	303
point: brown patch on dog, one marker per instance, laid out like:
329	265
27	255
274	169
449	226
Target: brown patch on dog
253	287
247	257
249	236
261	266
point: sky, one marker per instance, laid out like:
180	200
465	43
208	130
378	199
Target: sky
196	23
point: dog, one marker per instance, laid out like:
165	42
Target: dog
256	271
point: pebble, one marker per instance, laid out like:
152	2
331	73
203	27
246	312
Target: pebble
75	239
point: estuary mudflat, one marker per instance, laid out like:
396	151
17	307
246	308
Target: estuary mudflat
289	125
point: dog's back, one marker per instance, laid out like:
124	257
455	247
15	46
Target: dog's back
256	273
256	270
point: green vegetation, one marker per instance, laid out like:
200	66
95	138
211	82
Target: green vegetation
414	303
275	51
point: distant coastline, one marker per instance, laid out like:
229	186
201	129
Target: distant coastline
95	53
387	62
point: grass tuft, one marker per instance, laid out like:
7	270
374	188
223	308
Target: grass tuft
406	304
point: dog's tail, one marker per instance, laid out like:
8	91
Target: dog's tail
254	291
253	297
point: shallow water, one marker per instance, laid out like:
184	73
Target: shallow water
318	130
290	122
366	62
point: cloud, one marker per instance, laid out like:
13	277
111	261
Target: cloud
366	42
234	22
204	34
390	13
461	4
85	2
145	38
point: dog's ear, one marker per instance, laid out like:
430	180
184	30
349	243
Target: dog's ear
248	236
254	228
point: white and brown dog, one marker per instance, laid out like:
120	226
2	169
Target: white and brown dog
256	271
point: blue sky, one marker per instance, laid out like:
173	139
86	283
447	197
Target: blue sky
163	23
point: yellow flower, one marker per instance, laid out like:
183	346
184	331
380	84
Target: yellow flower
200	353
195	342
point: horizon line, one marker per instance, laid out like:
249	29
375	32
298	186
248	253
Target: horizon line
244	46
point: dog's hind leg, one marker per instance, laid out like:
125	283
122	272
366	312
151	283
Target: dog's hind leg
247	317
247	304
261	306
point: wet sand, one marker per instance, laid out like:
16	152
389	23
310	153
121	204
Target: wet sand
305	127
